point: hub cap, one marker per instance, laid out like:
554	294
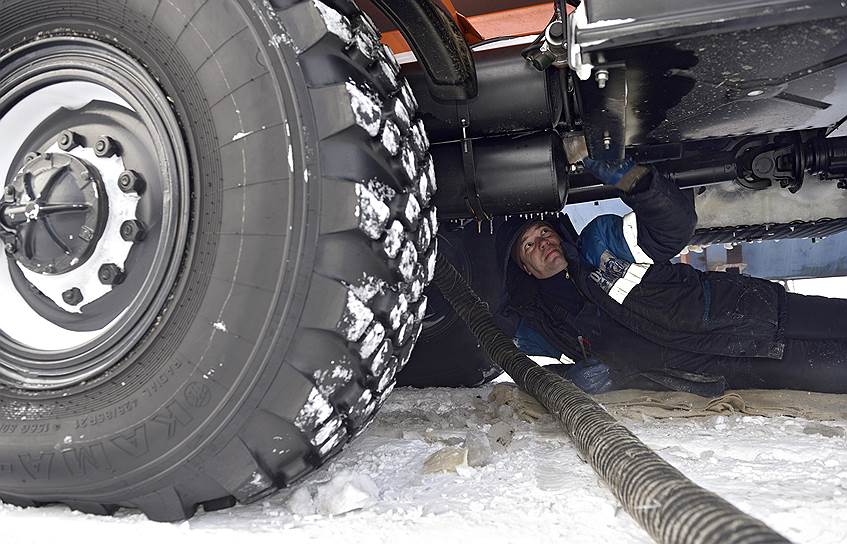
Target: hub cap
92	219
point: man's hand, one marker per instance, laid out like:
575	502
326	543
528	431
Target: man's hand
623	174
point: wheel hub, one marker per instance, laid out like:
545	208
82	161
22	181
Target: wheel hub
54	211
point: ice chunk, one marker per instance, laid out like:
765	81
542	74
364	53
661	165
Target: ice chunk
367	109
301	502
500	435
346	492
446	460
479	449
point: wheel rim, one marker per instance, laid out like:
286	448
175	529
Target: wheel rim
93	217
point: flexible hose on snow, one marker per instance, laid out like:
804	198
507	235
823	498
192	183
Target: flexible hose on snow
669	506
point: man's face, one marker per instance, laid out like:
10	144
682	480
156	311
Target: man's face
539	251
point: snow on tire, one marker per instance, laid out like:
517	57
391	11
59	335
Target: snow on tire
313	235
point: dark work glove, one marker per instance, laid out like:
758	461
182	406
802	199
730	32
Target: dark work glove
590	375
623	174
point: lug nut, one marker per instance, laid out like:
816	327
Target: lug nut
9	190
10	247
130	182
105	147
31	156
110	274
133	230
68	140
72	297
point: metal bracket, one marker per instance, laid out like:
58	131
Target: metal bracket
472	200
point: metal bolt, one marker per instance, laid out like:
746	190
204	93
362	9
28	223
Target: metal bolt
10	248
31	156
602	76
132	230
105	147
607	140
130	182
68	140
72	297
9	190
110	274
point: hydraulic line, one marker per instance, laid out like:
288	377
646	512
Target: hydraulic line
669	506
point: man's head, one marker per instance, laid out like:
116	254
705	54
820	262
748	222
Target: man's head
537	250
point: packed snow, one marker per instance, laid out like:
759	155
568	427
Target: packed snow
487	465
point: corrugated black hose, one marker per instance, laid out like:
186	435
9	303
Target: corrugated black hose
669	506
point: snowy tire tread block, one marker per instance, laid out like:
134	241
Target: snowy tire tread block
388	213
368	172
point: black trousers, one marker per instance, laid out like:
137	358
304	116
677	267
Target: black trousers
815	357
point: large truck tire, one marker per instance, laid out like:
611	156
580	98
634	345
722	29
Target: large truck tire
447	353
228	231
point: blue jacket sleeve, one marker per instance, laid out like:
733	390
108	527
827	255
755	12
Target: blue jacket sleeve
661	224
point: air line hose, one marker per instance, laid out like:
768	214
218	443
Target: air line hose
669	506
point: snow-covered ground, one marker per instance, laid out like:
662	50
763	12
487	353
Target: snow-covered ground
528	483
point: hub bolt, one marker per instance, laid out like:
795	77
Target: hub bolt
68	140
72	297
10	247
130	182
105	147
602	77
133	230
31	156
9	190
111	274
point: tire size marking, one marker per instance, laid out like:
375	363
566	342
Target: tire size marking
109	414
161	379
34	428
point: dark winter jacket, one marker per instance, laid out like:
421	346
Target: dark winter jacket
635	303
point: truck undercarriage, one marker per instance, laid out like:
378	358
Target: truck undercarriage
219	218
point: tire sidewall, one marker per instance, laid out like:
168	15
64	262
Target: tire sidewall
185	381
